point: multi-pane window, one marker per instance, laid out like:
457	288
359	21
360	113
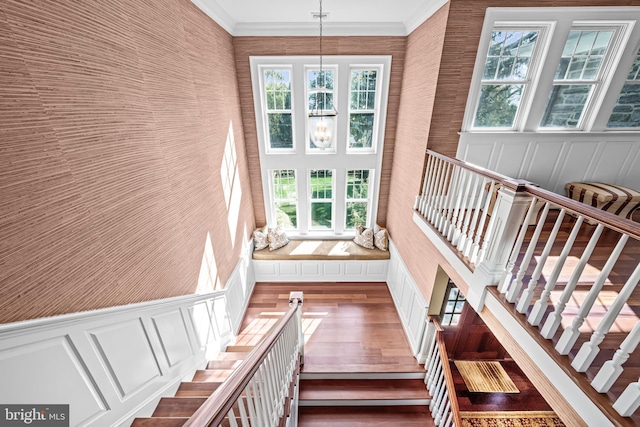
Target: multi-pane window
278	108
357	197
576	77
506	74
453	306
285	200
626	113
321	198
362	99
321	99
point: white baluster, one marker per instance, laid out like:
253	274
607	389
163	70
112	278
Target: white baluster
464	237
516	285
473	257
541	305
444	405
449	420
440	389
428	184
570	335
629	400
611	370
455	194
425	184
555	318
251	405
436	374
527	295
430	366
433	196
425	345
458	213
244	419
480	194
590	349
507	275
451	189
442	193
232	418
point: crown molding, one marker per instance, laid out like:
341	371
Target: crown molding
423	13
328	29
214	11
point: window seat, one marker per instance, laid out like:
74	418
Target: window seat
321	260
321	250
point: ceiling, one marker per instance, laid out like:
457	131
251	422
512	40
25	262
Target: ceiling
294	17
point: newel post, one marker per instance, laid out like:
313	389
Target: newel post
505	223
297	298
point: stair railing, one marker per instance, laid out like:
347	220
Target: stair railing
456	200
263	390
439	381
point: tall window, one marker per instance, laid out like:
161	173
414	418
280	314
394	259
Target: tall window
506	74
278	108
285	201
320	97
362	108
551	70
576	77
321	201
312	190
357	197
626	113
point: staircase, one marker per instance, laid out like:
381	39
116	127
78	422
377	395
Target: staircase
364	399
175	411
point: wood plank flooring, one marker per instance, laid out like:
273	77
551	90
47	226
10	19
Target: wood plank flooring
349	327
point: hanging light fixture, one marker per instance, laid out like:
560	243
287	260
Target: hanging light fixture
322	121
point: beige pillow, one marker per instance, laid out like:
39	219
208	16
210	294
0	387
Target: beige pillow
364	237
260	238
380	238
277	238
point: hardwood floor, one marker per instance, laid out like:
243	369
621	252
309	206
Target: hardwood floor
349	327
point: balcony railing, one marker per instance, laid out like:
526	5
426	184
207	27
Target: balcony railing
558	261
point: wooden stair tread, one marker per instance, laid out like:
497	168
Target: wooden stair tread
178	406
211	375
197	389
223	364
314	366
359	389
239	348
159	422
365	416
232	355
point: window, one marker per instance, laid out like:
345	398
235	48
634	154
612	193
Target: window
310	190
453	306
362	108
321	98
576	78
506	74
357	197
626	113
285	202
321	201
551	70
279	112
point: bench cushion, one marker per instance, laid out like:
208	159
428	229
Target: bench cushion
321	250
612	198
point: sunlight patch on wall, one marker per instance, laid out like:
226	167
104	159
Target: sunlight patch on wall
231	183
208	279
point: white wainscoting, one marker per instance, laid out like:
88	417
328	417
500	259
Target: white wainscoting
113	364
320	270
553	159
408	299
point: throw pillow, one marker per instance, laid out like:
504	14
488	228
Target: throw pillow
260	239
277	238
380	238
364	238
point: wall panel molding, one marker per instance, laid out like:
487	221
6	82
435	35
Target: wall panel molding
553	159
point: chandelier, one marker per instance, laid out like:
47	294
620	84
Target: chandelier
322	121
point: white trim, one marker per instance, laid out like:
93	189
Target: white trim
321	270
426	10
113	364
214	11
267	29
